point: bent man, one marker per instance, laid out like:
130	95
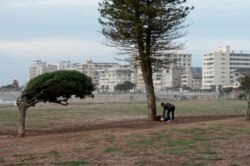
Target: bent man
170	108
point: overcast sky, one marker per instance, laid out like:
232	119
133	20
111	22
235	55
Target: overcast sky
55	30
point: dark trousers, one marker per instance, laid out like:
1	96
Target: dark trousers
168	114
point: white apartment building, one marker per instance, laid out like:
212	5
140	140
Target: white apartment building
88	67
192	78
100	66
63	65
110	77
166	78
182	60
111	74
137	79
218	67
91	69
38	67
238	74
157	80
75	66
171	78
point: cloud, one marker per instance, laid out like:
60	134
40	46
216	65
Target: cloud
226	5
30	3
17	55
53	47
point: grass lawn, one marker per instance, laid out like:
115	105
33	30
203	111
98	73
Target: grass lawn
216	142
54	116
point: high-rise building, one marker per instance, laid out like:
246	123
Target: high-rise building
192	78
171	77
91	69
219	66
182	60
110	77
166	77
63	65
38	67
88	67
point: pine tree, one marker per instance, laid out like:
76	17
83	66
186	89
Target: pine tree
147	31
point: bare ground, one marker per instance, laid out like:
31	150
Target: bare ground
117	142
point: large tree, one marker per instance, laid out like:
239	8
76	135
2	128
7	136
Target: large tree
55	87
147	31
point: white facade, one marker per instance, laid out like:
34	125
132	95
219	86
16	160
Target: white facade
192	78
101	66
63	65
186	79
166	78
75	66
50	68
111	74
88	67
182	60
137	79
109	78
171	77
38	67
238	74
218	67
91	69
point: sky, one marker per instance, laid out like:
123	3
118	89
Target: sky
56	30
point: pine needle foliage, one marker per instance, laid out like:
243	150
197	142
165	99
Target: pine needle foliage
147	31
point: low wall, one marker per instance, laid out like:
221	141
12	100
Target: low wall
10	97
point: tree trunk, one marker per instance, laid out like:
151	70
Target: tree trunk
151	101
248	111
21	126
152	115
144	48
248	108
148	80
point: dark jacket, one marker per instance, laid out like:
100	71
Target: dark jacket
168	106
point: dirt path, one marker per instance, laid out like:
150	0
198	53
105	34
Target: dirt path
132	124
